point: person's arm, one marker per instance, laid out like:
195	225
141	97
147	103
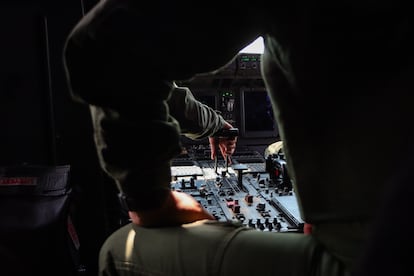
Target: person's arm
122	60
198	121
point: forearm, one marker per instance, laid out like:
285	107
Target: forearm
141	171
196	119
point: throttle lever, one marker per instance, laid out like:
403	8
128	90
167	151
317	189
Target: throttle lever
223	133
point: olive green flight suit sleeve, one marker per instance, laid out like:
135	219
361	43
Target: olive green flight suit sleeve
196	119
137	112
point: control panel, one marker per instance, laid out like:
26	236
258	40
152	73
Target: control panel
251	190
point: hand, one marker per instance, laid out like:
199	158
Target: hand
179	208
227	146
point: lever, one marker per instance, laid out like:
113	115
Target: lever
223	133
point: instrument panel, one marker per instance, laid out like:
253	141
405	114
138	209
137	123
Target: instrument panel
252	193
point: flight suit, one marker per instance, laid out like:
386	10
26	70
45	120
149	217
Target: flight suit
213	248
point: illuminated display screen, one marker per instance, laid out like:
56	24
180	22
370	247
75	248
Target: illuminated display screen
257	114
